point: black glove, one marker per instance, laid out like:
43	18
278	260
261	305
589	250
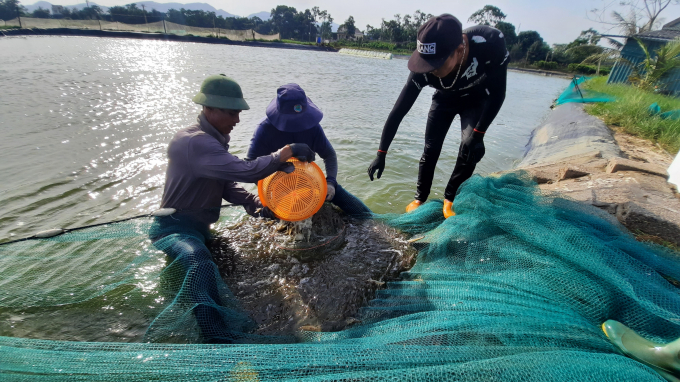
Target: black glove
378	165
286	167
302	152
266	213
472	147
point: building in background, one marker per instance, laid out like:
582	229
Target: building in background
653	40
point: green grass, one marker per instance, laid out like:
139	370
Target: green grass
295	42
9	27
629	113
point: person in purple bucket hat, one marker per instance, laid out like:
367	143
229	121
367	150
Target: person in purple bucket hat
293	118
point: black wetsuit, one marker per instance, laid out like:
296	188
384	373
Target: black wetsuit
477	96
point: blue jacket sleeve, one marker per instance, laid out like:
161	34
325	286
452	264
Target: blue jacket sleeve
322	146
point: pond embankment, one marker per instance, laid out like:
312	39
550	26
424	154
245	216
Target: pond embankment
578	156
158	36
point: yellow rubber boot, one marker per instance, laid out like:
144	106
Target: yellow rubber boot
664	359
414	204
448	209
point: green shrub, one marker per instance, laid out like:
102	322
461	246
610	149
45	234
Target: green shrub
552	65
588	69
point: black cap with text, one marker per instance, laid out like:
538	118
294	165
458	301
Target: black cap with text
437	39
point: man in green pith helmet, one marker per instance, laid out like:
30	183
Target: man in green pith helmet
201	172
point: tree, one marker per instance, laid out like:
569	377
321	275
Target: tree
489	15
129	14
303	22
508	31
527	38
41	13
9	8
532	47
316	13
587	37
636	17
325	29
649	73
90	13
283	20
350	27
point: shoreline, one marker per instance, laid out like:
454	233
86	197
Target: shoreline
578	156
541	72
158	37
212	40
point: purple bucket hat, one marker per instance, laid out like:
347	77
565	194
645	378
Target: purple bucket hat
292	111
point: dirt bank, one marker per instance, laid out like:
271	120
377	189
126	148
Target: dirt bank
578	156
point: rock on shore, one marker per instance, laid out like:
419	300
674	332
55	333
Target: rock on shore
578	156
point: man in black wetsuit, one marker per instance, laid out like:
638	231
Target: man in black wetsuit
469	69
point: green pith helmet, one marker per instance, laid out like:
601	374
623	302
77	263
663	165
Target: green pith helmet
221	92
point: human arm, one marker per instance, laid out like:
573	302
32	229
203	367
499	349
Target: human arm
322	146
473	141
407	97
331	164
496	85
209	159
235	194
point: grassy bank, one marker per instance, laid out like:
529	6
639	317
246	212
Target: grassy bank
630	113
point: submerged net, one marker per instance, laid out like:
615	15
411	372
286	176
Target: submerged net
575	93
513	288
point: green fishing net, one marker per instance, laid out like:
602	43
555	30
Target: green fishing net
513	288
575	93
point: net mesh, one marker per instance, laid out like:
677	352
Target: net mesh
513	288
574	93
154	27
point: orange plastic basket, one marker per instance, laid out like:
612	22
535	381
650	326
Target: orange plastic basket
295	196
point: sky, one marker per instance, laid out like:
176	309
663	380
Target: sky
558	21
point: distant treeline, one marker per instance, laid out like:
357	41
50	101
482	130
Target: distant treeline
398	34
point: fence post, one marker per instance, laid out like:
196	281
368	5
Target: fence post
165	31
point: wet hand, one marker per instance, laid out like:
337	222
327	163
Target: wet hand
378	165
302	152
330	191
472	147
266	213
286	167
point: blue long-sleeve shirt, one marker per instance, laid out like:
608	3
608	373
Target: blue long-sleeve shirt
268	138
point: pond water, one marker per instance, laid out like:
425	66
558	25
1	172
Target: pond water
84	126
85	122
